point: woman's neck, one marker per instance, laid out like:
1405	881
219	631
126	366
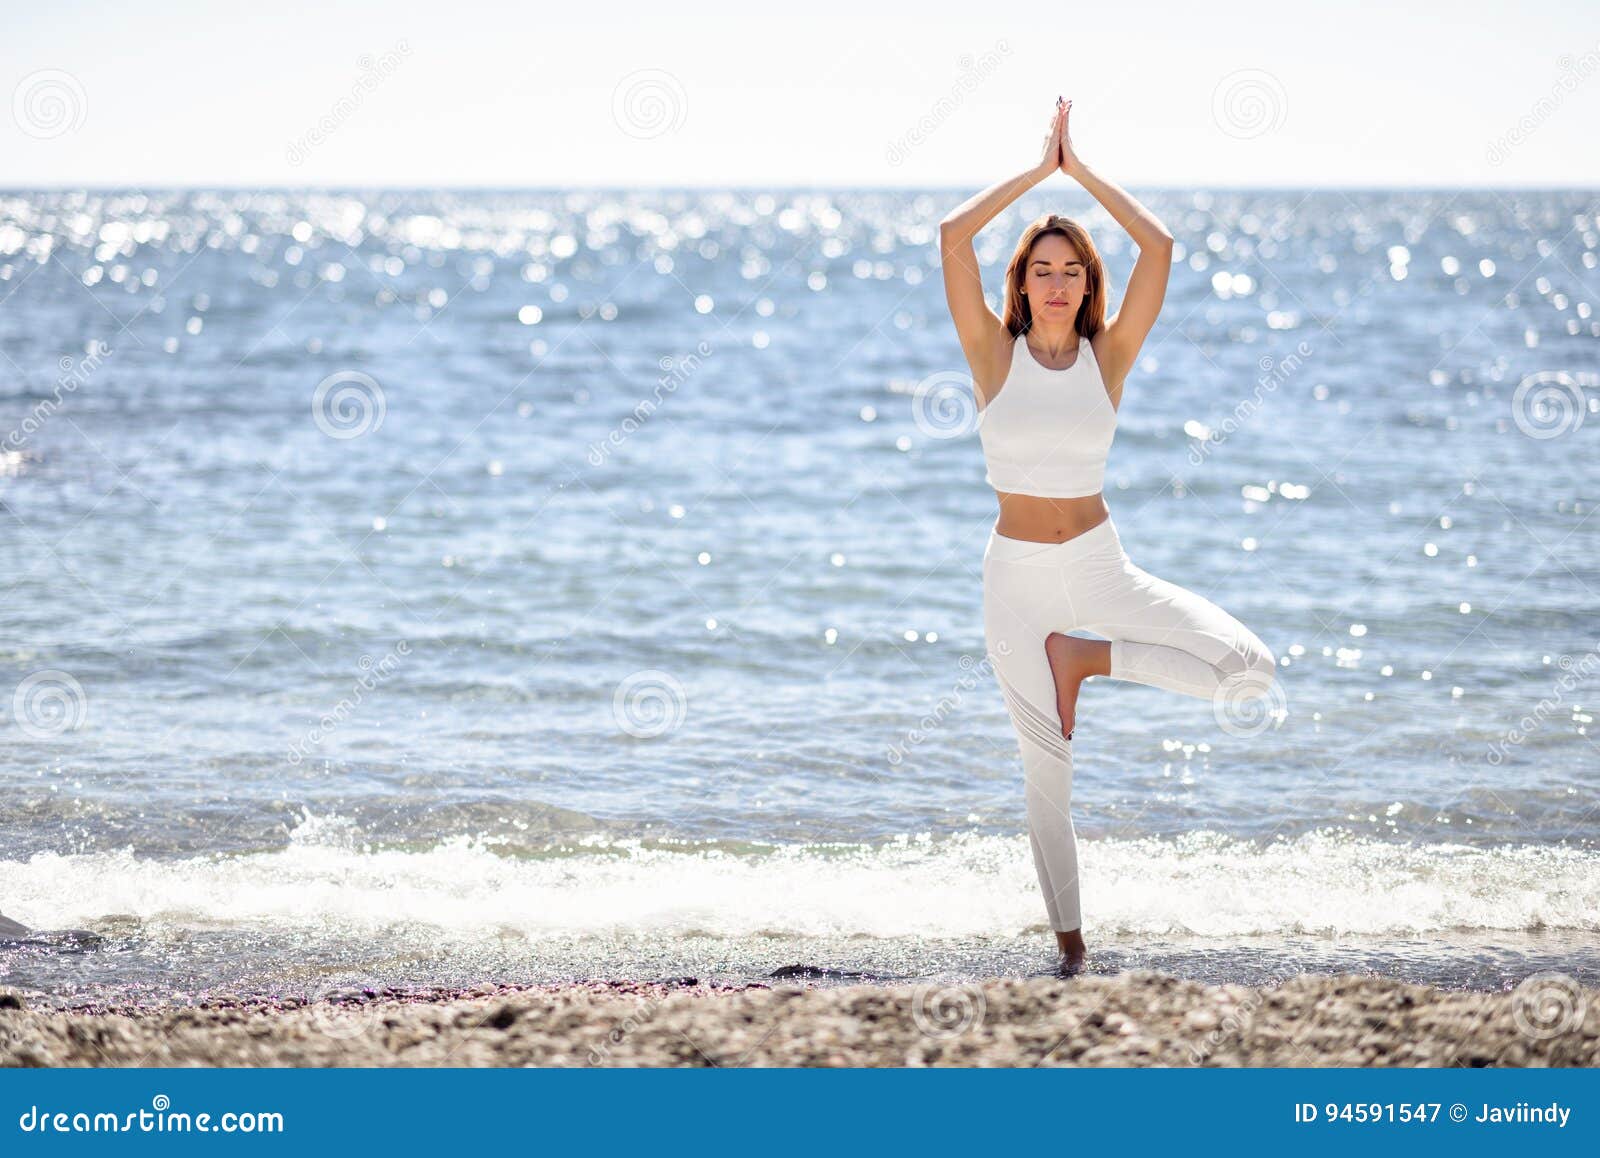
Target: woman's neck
1055	341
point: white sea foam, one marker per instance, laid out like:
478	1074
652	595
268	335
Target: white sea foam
325	880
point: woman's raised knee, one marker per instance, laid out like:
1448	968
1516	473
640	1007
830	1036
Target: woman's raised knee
1259	659
1248	672
1259	680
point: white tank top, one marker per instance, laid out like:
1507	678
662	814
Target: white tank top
1048	432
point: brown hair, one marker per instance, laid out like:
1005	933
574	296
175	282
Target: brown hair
1092	313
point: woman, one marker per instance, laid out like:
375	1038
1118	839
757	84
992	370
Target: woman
1048	379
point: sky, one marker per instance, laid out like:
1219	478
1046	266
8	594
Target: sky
475	93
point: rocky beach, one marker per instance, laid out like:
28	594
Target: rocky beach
1139	1018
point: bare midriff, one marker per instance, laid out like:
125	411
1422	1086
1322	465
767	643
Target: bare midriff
1043	520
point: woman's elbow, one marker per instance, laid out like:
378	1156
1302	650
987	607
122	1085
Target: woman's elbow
953	236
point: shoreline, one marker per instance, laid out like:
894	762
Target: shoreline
1137	1018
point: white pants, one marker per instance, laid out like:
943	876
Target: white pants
1160	634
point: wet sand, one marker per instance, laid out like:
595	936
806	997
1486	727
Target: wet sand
1133	1019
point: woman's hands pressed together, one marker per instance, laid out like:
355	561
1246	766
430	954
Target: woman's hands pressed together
1069	158
1058	152
1050	159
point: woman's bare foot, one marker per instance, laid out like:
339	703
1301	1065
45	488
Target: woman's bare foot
1072	660
1073	952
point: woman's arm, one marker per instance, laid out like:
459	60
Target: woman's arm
1147	285
983	335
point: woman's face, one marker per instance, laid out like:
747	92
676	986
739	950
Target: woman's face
1054	279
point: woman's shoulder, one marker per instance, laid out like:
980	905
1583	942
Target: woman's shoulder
1100	346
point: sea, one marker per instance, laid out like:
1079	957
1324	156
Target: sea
420	588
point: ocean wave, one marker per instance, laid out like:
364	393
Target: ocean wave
328	880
